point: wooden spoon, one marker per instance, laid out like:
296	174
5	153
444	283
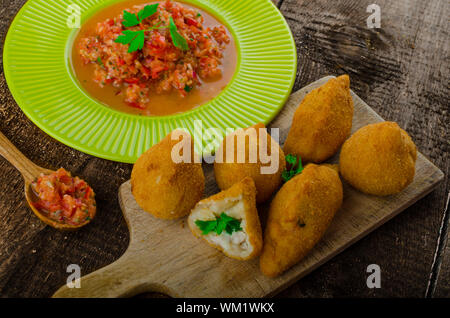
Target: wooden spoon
30	172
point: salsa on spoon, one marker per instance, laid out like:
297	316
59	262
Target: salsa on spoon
57	199
63	198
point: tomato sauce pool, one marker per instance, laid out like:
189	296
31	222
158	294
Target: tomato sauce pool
160	104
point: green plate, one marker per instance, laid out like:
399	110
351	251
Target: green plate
38	72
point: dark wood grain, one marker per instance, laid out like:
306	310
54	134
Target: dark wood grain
441	287
443	284
400	70
34	257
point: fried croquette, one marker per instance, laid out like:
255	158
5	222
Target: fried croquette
322	122
166	189
298	217
237	204
379	159
228	172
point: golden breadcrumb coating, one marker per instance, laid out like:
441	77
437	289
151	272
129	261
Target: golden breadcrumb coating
228	173
239	202
299	215
379	159
322	122
166	189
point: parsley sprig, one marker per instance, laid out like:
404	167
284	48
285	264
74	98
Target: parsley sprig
130	19
222	222
136	39
178	40
294	168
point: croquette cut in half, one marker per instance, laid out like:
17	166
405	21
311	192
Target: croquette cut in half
164	187
322	121
229	221
228	173
379	159
299	215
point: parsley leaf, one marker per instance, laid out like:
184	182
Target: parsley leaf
221	223
129	19
134	38
138	42
126	37
178	40
291	160
232	225
148	11
206	226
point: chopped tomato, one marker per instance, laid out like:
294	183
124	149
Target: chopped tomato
135	105
146	71
160	67
132	80
190	21
63	198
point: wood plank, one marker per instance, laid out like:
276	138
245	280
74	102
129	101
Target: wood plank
399	71
442	287
33	259
164	256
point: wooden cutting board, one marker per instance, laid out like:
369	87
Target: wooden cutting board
164	256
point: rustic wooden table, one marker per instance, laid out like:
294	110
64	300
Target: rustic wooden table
401	70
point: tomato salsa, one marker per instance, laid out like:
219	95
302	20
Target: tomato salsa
63	198
160	78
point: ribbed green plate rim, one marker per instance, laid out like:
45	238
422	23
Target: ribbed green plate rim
38	74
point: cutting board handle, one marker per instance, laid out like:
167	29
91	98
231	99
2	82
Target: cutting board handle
119	279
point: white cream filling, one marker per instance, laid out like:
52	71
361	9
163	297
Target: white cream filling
236	244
